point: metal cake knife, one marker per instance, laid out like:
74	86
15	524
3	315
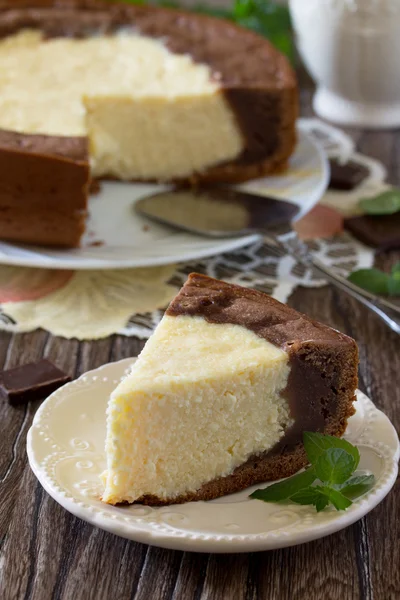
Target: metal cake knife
217	212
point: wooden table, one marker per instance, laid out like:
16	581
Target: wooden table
47	553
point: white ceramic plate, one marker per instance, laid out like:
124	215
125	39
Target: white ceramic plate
66	453
132	241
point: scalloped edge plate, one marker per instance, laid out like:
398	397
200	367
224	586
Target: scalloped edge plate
65	449
129	240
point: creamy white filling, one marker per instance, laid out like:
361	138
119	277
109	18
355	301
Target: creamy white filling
148	112
200	400
159	138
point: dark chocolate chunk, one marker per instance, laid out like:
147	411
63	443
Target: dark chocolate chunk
33	381
346	176
380	231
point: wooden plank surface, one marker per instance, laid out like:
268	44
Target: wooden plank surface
47	553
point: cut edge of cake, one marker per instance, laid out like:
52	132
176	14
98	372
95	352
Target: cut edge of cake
52	175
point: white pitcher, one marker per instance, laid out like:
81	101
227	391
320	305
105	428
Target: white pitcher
352	50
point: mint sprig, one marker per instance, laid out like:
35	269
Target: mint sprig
329	479
316	444
334	466
356	486
287	488
377	281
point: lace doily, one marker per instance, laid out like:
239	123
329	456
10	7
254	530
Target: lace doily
96	304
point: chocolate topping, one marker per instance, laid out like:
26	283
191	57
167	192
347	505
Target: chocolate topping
322	360
33	381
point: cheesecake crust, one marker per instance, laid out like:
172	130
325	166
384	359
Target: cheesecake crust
320	389
44	190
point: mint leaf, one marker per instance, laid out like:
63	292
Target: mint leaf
316	444
357	486
372	280
308	495
378	282
321	497
339	501
243	8
334	461
394	281
335	465
396	268
268	19
321	502
386	203
286	488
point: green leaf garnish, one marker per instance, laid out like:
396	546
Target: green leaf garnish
316	444
328	481
386	203
372	280
396	268
334	466
394	281
269	20
377	281
335	497
321	502
357	486
309	495
286	488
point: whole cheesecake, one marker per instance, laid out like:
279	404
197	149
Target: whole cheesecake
221	394
155	94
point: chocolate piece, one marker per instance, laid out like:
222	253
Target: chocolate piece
346	176
379	231
33	381
44	188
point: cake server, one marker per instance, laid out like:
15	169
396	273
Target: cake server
218	212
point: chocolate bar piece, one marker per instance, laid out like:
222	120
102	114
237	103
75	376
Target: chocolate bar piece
346	176
380	231
33	381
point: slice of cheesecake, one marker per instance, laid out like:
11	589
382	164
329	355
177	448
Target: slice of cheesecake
221	394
